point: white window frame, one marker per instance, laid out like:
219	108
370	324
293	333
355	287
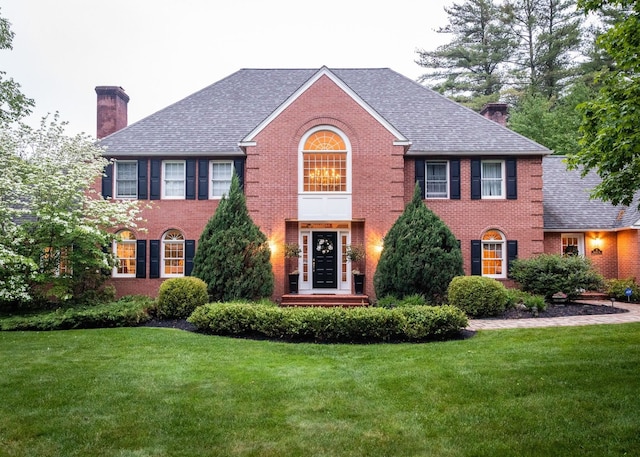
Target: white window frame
446	179
116	179
579	239
211	178
484	179
132	242
164	259
503	258
164	180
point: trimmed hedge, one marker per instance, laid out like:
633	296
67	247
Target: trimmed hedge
330	325
478	296
179	297
127	312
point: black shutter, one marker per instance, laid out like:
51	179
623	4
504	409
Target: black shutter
142	179
512	254
238	167
189	253
476	184
454	179
154	258
107	181
141	258
203	179
420	179
476	257
191	179
512	179
156	173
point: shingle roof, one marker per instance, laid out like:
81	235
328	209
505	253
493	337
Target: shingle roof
568	207
215	119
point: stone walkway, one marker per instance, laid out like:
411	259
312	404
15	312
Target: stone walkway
621	318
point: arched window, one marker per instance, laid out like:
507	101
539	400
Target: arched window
493	254
172	254
324	162
124	249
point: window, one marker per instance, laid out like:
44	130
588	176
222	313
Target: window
325	162
572	244
493	254
172	254
57	261
436	180
125	252
221	173
492	179
126	179
173	179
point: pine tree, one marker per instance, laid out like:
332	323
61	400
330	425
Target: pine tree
420	255
233	255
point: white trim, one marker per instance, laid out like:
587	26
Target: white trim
210	178
116	164
503	180
447	177
580	239
503	259
324	71
164	241
114	248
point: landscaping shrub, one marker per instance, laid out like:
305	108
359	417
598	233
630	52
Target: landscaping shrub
420	255
616	288
410	300
477	296
411	323
531	301
548	274
127	312
178	297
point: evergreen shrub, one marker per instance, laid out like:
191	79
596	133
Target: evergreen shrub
335	325
478	296
548	274
178	297
616	288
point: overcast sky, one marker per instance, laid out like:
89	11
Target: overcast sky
161	51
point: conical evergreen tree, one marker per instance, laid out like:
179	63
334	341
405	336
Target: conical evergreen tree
233	256
420	255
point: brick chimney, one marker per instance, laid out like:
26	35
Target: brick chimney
497	112
112	110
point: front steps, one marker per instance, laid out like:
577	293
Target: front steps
325	300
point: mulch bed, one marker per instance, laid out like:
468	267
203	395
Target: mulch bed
569	309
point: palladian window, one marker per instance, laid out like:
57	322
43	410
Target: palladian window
325	162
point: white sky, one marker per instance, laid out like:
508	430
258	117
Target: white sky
161	51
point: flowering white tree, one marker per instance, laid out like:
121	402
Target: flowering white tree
54	237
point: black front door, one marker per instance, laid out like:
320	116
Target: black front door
325	260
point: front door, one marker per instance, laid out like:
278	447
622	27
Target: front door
325	260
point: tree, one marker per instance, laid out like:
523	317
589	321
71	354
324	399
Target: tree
420	255
14	105
54	239
548	33
233	256
469	67
554	122
610	142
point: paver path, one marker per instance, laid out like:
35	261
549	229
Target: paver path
620	318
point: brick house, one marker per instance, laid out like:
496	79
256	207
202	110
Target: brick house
574	223
327	158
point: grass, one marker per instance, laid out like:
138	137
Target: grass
163	392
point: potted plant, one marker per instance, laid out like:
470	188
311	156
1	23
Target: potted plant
292	251
356	253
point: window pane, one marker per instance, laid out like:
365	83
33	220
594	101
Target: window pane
126	179
173	253
325	172
221	173
491	179
436	180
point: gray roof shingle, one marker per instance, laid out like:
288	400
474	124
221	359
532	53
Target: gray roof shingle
568	207
215	119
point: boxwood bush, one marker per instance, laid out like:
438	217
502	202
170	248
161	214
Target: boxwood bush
477	296
411	323
178	297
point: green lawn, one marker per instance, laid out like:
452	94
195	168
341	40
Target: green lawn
161	392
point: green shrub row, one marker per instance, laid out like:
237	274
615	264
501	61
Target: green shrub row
330	325
127	312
